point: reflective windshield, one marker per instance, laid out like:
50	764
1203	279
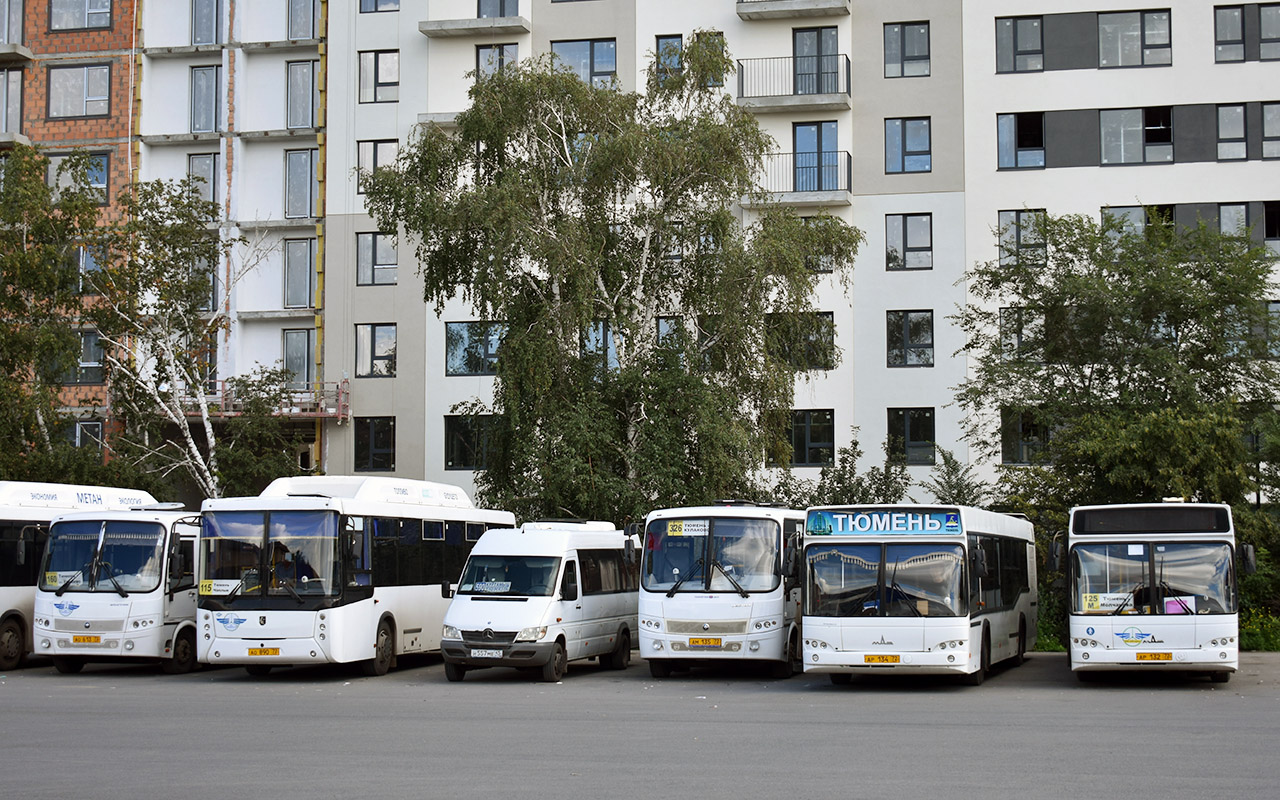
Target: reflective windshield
698	555
93	556
522	576
1163	578
297	552
885	580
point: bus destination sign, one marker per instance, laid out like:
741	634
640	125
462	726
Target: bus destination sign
882	521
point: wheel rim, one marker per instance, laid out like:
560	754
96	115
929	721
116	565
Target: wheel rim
10	642
384	645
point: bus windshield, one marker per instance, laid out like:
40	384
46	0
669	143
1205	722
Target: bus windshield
719	554
95	556
885	580
1160	578
296	552
520	576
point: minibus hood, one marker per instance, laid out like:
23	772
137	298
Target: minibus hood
470	612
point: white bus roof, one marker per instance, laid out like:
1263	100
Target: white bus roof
387	490
725	510
24	499
549	539
972	520
166	517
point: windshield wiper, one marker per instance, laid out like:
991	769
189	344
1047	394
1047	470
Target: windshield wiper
1125	604
717	565
672	591
115	583
289	588
894	587
233	591
61	590
1168	590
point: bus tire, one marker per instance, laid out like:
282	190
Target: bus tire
258	670
1219	677
840	678
13	644
184	654
454	672
553	670
620	658
68	666
382	652
781	670
1021	656
659	668
984	661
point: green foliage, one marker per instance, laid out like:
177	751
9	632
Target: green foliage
954	482
565	210
840	483
1259	629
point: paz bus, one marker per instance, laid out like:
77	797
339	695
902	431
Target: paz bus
916	589
1153	587
712	587
26	509
330	569
119	585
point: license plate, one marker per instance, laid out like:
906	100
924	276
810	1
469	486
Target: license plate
881	659
704	642
86	640
1155	656
486	654
264	651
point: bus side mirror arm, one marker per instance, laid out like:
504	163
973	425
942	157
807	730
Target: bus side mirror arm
1055	554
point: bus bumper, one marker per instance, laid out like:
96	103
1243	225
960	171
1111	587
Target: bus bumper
765	646
1208	659
274	652
939	662
476	655
140	643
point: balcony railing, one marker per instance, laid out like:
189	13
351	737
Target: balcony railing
807	173
315	400
793	77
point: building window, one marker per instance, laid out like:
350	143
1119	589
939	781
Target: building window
1233	219
1016	333
86	263
466	441
71	15
598	345
301	184
299	357
96	174
817	60
10	21
1020	238
1269	33
1271	130
906	49
910	338
668	51
593	60
374	6
375	259
1271	225
488	9
492	58
88	367
1134	39
206	19
911	434
813	438
908	241
1137	135
471	348
1228	33
299	272
376	351
302	18
817	162
80	91
907	145
817	349
1019	44
204	99
1231	142
302	102
203	168
373	154
1020	140
85	433
380	76
11	101
375	444
1021	438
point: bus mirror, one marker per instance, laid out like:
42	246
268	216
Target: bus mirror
1055	556
570	592
629	548
446	591
1248	559
980	570
632	529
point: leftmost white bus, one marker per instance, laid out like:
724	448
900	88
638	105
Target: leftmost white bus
26	509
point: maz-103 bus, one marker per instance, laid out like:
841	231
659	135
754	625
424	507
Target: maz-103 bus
712	588
25	512
119	585
333	569
916	589
1153	587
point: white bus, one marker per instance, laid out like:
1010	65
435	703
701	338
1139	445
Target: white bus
1153	587
917	589
25	512
712	587
333	569
119	584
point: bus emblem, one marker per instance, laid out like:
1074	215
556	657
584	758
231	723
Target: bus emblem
262	620
1133	637
65	609
230	621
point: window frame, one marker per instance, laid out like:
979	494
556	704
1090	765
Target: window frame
294	19
209	190
903	59
1144	46
313	181
502	61
376	89
487	353
1147	125
215	105
368	157
904	155
1264	41
467	433
1011	129
661	51
85	97
11	110
803	420
1015	54
1219	43
216	34
313	92
377	6
368	427
375	361
110	18
902	435
87	371
506	8
898	328
309	357
1011	251
1021	438
594	76
904	222
1239	143
1272	138
375	268
292	270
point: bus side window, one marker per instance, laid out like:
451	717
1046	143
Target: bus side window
569	585
358	542
182	565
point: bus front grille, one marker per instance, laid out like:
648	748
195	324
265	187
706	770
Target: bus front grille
489	637
88	625
709	626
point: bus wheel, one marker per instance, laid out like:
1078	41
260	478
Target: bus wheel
620	658
381	661
554	669
984	662
13	645
1219	677
257	670
68	666
184	654
454	672
781	670
659	668
840	678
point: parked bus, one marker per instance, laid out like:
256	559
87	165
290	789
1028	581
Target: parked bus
119	584
712	587
917	589
333	569
1153	587
25	512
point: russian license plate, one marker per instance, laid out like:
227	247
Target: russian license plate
486	654
1155	656
264	651
704	642
86	640
881	659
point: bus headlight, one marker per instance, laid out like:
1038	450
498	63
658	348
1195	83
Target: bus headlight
450	632
531	634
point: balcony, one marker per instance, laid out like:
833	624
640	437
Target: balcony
14	55
479	26
800	83
313	401
807	180
791	9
